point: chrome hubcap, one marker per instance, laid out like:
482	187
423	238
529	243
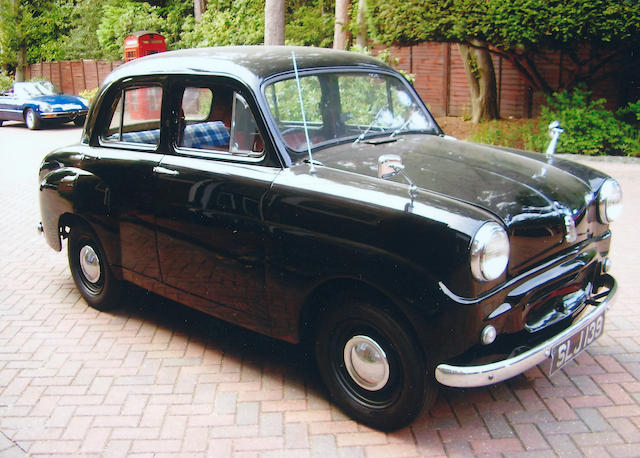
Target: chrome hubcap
90	264
366	363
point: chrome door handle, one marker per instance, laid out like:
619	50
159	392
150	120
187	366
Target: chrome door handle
165	171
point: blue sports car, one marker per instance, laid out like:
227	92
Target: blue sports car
39	102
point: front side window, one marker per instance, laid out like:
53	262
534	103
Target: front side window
345	106
135	117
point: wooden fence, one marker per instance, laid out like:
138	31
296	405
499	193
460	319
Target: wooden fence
440	79
73	77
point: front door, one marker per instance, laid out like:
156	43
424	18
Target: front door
210	232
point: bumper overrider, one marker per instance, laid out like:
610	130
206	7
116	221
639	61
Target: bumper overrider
487	374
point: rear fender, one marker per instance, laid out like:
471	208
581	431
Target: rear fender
70	191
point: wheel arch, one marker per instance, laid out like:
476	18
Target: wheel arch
334	291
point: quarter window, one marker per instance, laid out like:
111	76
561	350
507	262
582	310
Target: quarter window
136	117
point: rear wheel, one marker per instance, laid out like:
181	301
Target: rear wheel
90	269
372	366
31	119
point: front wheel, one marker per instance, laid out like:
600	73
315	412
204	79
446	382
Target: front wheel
31	119
90	269
79	121
372	366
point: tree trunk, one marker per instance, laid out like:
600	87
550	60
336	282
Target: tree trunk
274	22
342	19
21	67
199	7
361	38
482	82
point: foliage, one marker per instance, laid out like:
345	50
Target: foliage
80	40
589	128
630	113
520	134
241	22
175	13
310	23
518	29
89	94
226	22
121	18
6	82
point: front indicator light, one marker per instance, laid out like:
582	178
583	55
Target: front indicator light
488	335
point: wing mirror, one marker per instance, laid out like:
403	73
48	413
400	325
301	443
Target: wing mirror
389	165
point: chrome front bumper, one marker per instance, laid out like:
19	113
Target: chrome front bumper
71	115
487	374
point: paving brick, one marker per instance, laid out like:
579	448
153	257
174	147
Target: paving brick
296	435
152	378
593	419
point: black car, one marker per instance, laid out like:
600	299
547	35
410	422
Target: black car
308	194
39	102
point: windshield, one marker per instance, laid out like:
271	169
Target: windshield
35	89
345	106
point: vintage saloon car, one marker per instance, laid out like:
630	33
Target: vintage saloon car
310	196
39	102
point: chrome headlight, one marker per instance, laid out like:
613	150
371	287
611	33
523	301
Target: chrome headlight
45	107
489	252
609	201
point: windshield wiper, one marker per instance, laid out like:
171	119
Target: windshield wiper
363	134
401	128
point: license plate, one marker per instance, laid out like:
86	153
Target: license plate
572	346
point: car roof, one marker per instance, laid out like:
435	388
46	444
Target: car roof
249	63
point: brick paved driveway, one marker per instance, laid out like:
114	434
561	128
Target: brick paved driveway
155	378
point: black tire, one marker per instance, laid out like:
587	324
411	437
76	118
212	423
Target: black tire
31	119
90	269
79	121
397	400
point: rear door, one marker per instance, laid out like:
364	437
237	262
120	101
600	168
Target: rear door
129	147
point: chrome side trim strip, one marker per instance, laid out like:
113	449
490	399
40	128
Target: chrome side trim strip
488	374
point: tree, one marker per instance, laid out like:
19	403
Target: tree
482	81
590	33
28	30
361	24
340	34
274	22
199	7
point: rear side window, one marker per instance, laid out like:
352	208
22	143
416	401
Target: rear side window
135	117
